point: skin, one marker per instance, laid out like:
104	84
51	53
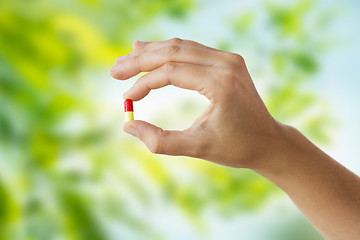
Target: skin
238	131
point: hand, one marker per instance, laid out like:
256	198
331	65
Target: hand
236	130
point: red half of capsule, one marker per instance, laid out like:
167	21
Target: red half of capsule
128	105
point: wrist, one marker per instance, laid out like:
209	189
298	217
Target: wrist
286	151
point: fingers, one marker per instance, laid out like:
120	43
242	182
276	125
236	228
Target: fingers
146	45
163	142
175	41
183	75
156	55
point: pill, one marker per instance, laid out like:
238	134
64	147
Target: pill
129	110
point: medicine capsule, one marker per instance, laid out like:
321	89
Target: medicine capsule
129	110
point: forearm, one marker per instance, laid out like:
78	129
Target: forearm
326	192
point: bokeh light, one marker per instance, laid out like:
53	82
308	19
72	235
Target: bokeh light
67	170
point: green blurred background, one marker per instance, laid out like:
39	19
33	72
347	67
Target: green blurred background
67	171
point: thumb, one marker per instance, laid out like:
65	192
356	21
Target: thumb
162	141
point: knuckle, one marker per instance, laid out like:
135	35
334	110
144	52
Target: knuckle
176	41
169	67
135	59
236	58
156	146
172	50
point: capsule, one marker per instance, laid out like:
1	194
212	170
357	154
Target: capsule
129	110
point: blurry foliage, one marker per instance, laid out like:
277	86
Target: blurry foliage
45	48
297	33
295	61
243	22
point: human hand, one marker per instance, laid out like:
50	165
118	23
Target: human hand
236	130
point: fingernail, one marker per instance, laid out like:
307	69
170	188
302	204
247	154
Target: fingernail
132	131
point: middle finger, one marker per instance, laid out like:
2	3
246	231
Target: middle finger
151	59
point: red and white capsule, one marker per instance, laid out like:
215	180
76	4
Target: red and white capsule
129	110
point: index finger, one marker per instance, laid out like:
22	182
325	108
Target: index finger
182	75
